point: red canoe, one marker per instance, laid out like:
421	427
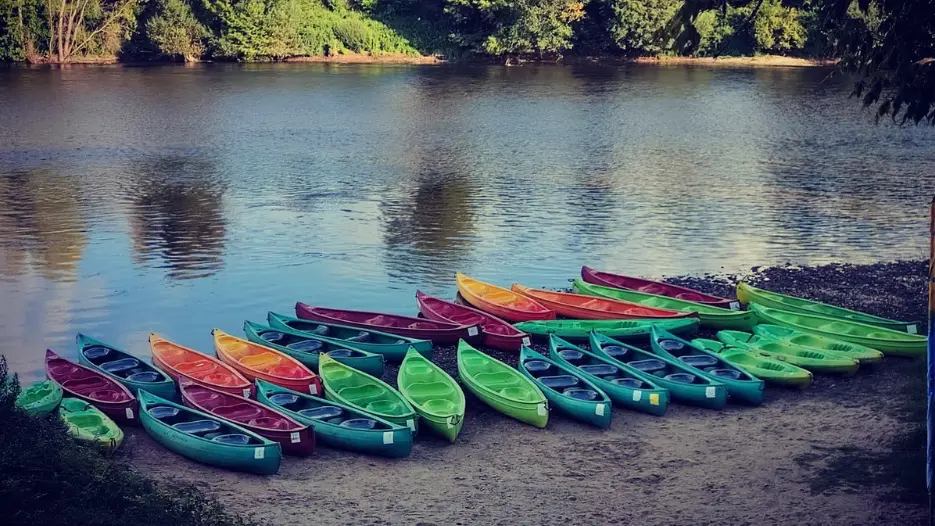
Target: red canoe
295	438
103	392
655	287
436	331
496	333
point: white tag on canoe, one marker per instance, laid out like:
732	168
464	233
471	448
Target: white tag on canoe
246	393
527	341
599	410
129	414
637	395
912	329
313	388
735	305
541	410
259	452
294	437
411	424
387	437
710	392
472	331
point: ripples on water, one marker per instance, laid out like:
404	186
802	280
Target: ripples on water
176	199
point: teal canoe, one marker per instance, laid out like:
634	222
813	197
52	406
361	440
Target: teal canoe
566	390
433	393
40	398
621	384
629	330
306	349
369	394
760	364
207	439
741	385
865	355
502	387
127	369
338	425
683	384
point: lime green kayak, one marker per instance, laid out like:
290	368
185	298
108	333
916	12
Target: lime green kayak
627	330
40	398
501	387
434	394
361	391
762	365
711	317
812	359
865	355
749	294
88	424
888	341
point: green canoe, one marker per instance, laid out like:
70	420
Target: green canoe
364	392
865	355
40	398
338	425
888	341
88	424
127	369
620	382
740	385
501	387
578	330
761	365
434	394
306	348
711	317
392	347
749	294
804	357
566	390
683	384
207	439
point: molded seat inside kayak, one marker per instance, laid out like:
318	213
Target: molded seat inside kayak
287	370
727	373
648	366
197	367
145	376
599	369
671	345
222	378
309	346
284	399
107	394
631	382
684	378
269	422
439	405
617	351
520	393
121	365
699	360
360	423
360	337
273	337
384	406
234	439
198	427
572	355
238	412
96	352
559	383
425	391
537	367
582	394
164	413
496	380
361	393
325	412
345	353
263	361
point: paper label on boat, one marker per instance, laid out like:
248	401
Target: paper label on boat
411	424
472	331
312	388
710	392
637	396
259	452
294	437
527	341
129	414
541	409
246	393
387	437
912	329
653	398
735	305
599	410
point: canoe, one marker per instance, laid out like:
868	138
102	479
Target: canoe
40	398
207	439
565	389
337	425
495	333
576	330
123	367
392	347
749	294
888	341
254	361
435	331
741	386
828	362
89	424
500	302
502	387
294	438
434	394
761	365
579	306
364	392
181	362
659	288
864	355
98	389
683	384
711	317
306	349
619	382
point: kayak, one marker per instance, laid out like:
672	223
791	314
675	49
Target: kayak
621	329
123	367
579	306
683	384
306	349
711	317
888	341
434	394
659	288
502	387
761	365
255	361
421	328
619	382
181	362
740	384
40	398
294	438
805	357
565	389
89	424
98	389
500	302
364	392
865	355
392	347
206	438
338	425
774	300
496	333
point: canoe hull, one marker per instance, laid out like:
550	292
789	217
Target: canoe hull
607	279
816	361
449	335
334	377
433	393
163	389
864	355
79	410
627	330
472	292
495	333
309	383
534	411
564	304
238	386
770	370
534	414
47	396
372	365
597	413
125	411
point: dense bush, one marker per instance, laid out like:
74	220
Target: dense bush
638	25
176	32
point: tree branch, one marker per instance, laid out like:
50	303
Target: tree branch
114	15
742	26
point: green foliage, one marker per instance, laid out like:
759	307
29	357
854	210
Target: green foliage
175	31
503	27
725	33
637	26
777	29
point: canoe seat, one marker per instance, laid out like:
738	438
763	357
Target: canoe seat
537	367
325	412
419	369
222	379
618	352
671	345
345	353
595	304
107	394
559	383
683	378
383	406
599	369
520	393
145	377
234	439
197	367
203	397
426	390
96	352
382	320
360	337
648	366
475	362
164	413
309	346
441	406
497	380
360	423
270	422
61	368
731	374
582	394
274	337
422	325
362	393
262	361
632	383
238	412
198	427
119	366
284	399
85	385
699	360
288	370
573	356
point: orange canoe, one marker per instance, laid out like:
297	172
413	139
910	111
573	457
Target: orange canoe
501	302
181	362
581	307
256	361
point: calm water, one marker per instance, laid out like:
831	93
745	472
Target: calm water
175	199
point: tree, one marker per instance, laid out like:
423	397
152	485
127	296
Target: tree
637	25
176	32
516	27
